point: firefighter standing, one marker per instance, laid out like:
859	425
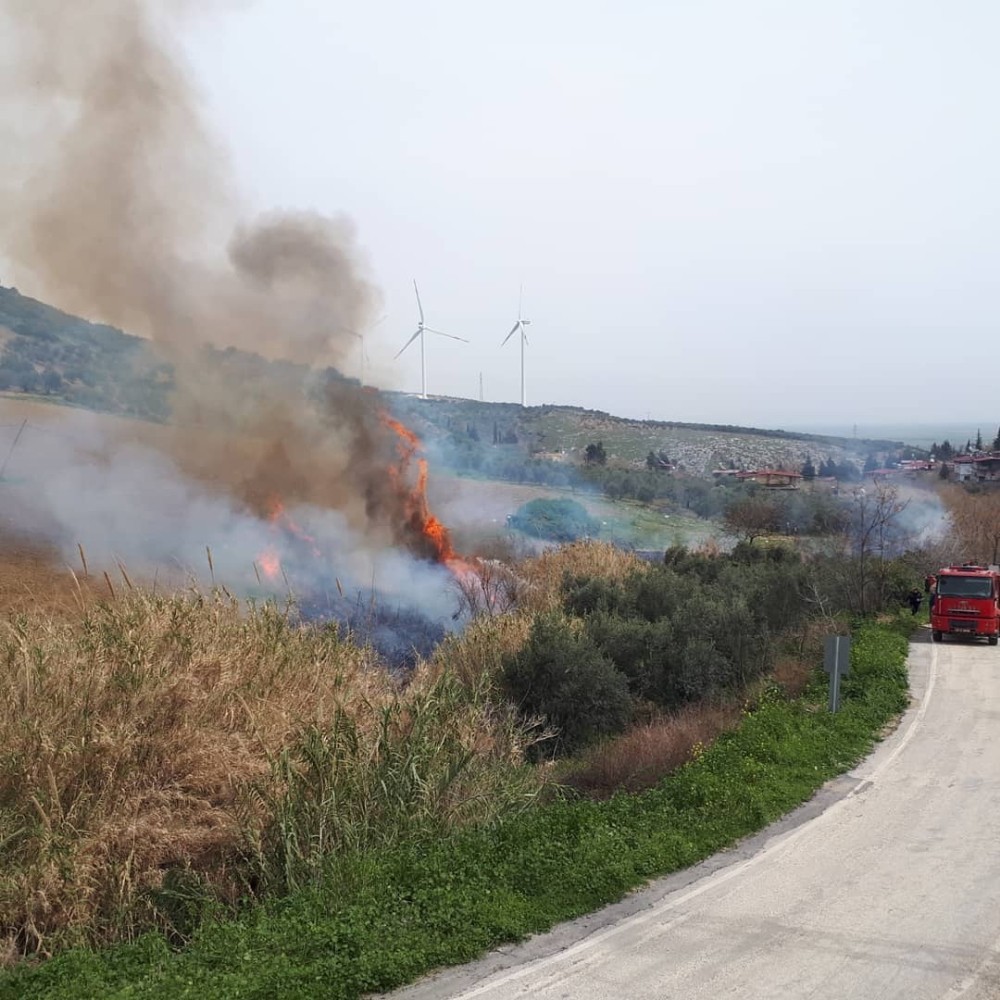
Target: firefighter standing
930	588
914	599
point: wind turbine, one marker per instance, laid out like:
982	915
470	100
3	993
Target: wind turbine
421	329
364	350
519	326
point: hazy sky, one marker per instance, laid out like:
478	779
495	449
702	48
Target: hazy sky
768	213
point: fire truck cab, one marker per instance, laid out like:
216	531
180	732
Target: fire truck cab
966	601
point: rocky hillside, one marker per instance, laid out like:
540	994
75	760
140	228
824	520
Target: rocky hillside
49	353
562	433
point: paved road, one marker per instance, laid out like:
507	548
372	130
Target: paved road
887	885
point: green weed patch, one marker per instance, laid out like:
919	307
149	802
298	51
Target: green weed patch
380	919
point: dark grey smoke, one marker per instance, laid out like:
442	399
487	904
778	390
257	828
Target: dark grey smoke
117	204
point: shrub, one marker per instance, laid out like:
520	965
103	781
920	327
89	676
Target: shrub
584	595
555	520
638	648
561	677
695	628
661	593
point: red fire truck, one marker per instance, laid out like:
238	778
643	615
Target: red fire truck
966	601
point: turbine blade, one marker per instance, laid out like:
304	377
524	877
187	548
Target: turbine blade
407	344
450	336
524	334
520	297
513	330
419	303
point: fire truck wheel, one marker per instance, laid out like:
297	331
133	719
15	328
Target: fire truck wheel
993	640
936	635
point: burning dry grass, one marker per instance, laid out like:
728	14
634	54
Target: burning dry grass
164	734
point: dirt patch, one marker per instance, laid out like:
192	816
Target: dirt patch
33	577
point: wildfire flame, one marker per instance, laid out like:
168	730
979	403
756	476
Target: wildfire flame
270	564
430	534
420	529
282	523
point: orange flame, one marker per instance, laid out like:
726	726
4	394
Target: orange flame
422	531
281	522
430	535
270	564
409	442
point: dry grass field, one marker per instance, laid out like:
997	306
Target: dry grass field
33	577
34	573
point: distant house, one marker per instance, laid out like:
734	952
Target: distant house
979	468
962	466
775	479
987	466
831	483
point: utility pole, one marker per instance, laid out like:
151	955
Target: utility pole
480	387
17	437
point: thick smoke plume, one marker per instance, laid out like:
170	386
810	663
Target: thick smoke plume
117	204
124	205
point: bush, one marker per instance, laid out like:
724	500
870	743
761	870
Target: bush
640	649
555	520
562	678
695	627
583	595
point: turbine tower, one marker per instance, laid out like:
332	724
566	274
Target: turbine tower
364	349
520	326
421	329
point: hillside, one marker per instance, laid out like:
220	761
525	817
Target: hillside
50	353
464	428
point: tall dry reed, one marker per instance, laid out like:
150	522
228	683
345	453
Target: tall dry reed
133	735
